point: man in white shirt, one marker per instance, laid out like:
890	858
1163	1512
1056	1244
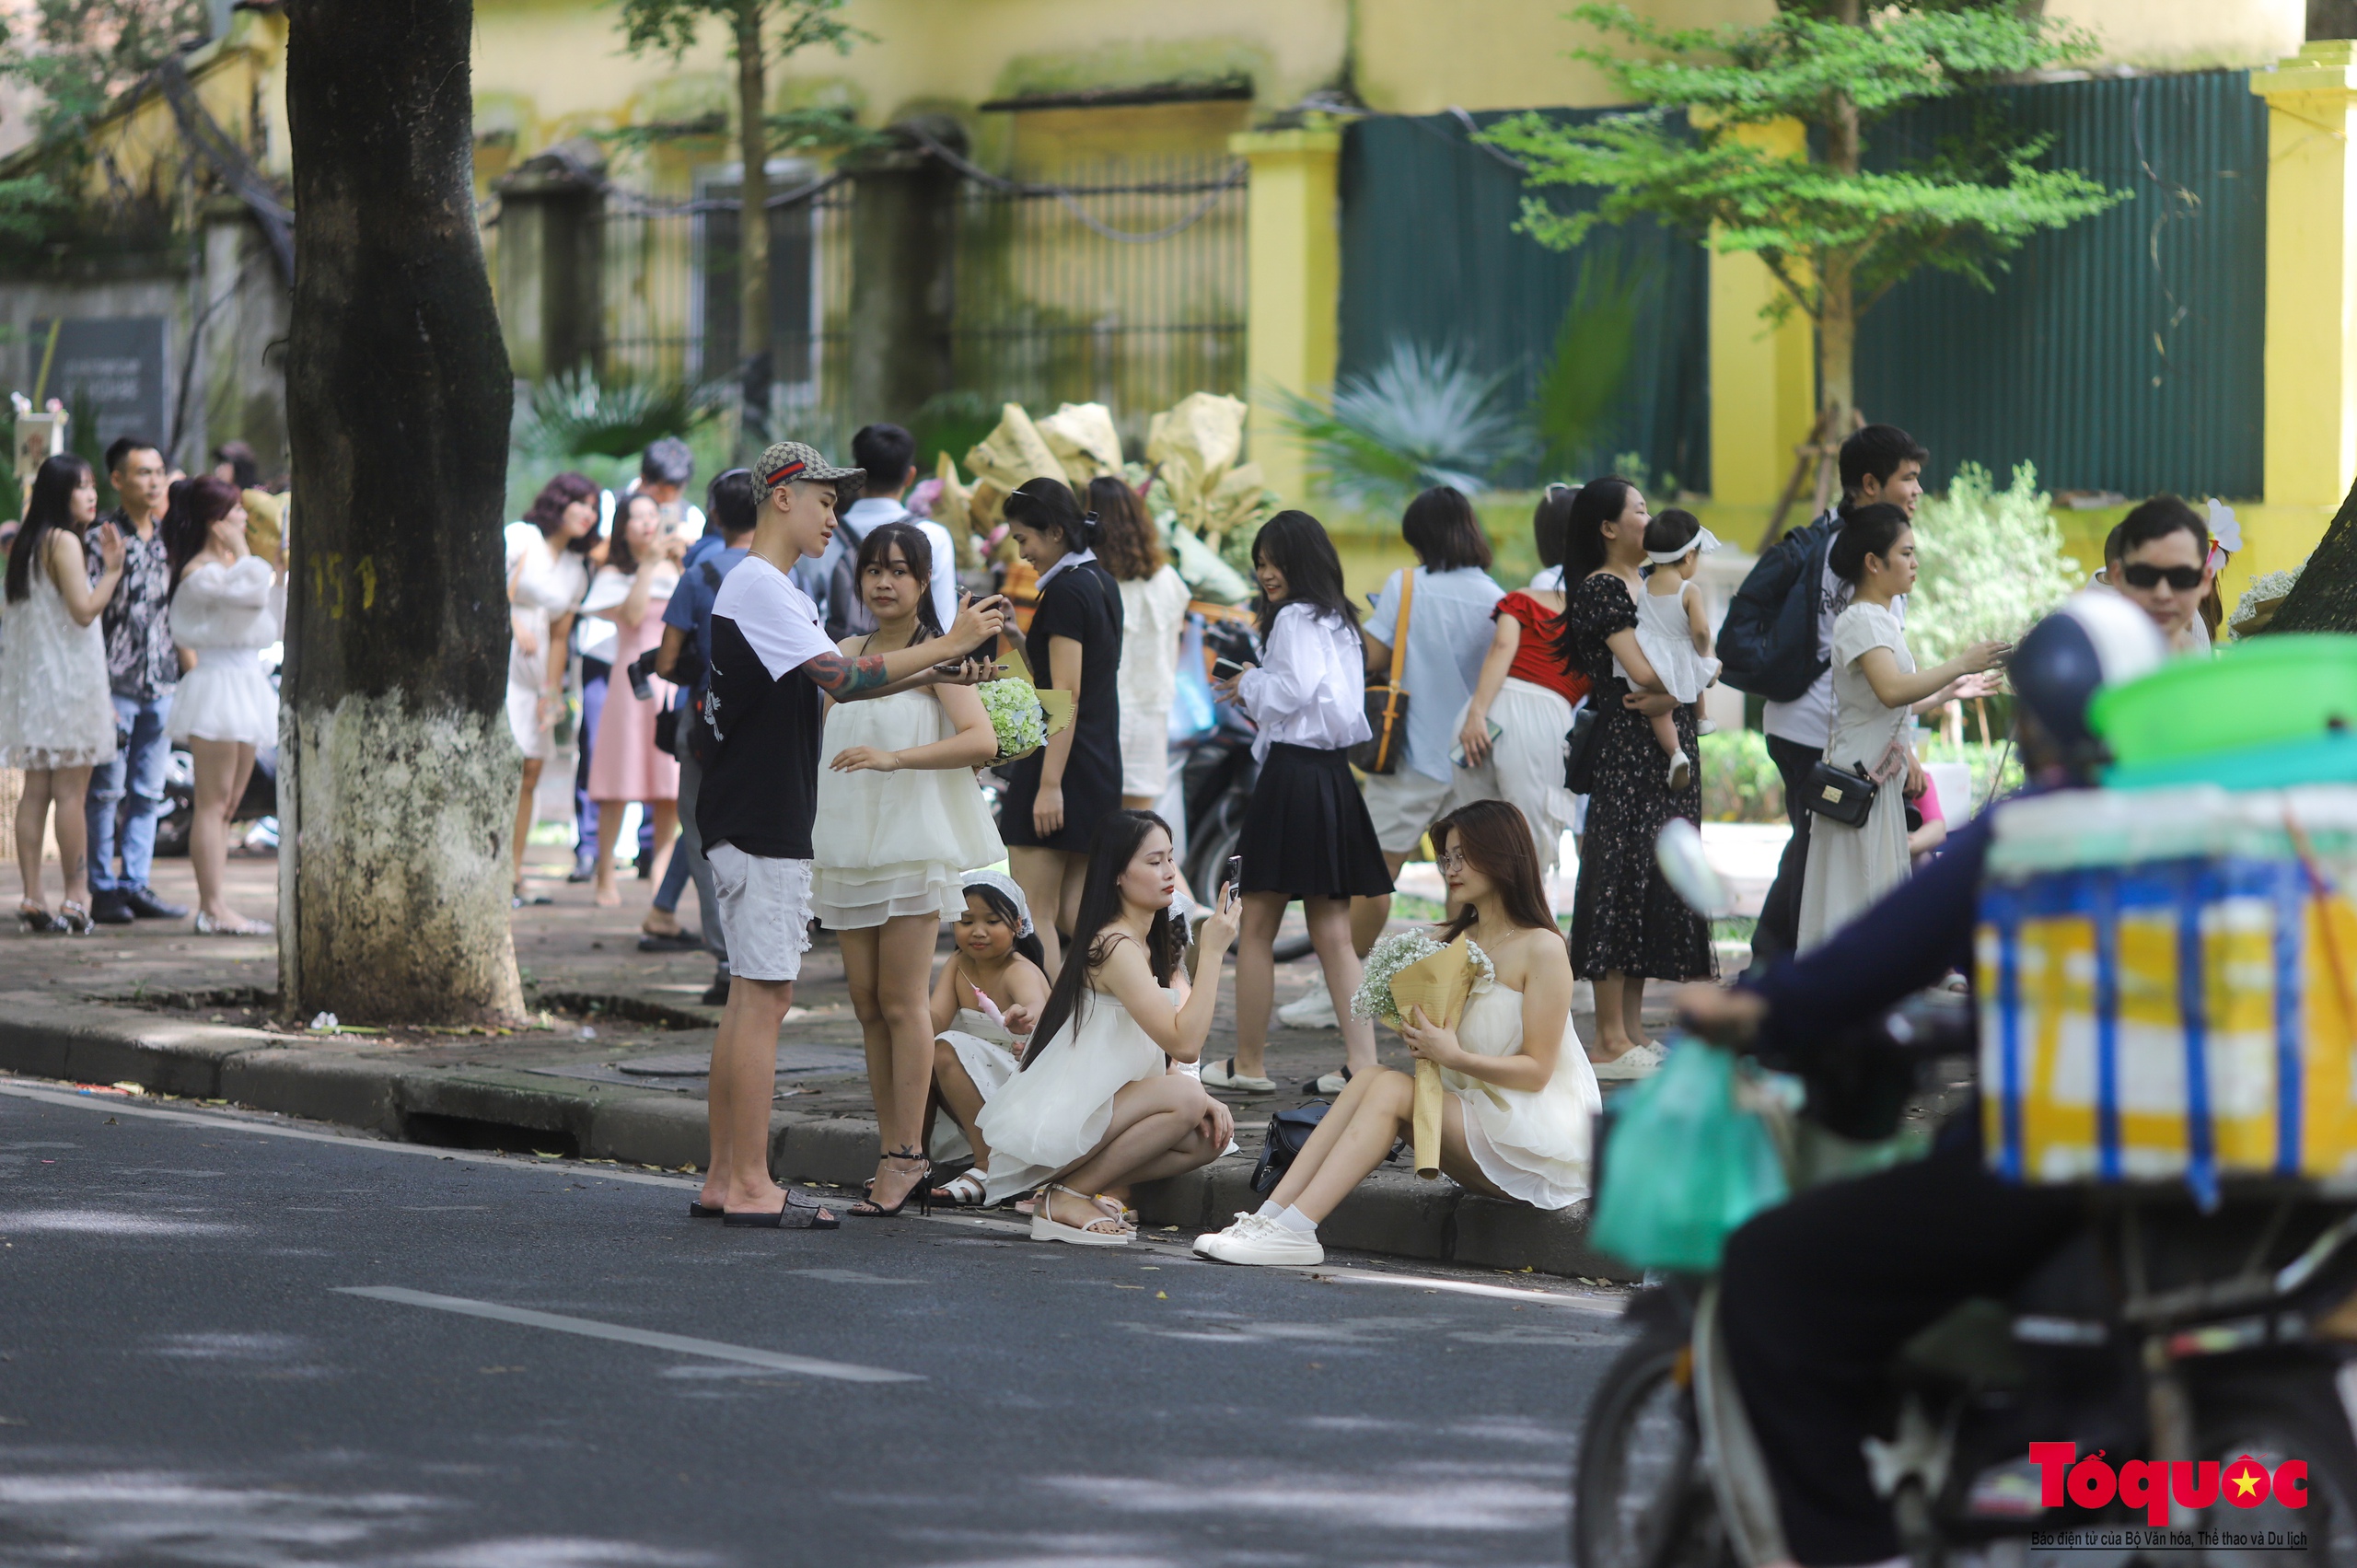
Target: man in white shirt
888	453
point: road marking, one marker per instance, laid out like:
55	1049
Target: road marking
589	1327
1469	1287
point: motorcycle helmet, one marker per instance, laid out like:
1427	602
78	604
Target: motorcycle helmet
2095	639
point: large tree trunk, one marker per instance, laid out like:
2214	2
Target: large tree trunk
753	221
1837	315
397	792
2324	599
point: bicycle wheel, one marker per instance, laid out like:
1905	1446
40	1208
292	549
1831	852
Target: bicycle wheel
1642	1497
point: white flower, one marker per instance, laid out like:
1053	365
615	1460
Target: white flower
1388	956
1017	717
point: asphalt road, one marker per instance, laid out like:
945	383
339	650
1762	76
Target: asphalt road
187	1376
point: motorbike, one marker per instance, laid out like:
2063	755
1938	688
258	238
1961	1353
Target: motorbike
2165	1341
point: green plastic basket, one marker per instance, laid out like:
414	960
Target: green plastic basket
2269	692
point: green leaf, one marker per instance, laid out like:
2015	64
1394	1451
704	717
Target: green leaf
1423	417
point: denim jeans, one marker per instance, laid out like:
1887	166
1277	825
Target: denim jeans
142	752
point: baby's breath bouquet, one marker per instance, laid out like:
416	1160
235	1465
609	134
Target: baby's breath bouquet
1373	998
1016	716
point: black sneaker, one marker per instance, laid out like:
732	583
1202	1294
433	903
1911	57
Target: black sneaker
716	994
110	906
147	906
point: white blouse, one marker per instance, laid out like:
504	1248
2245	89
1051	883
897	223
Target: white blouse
1310	689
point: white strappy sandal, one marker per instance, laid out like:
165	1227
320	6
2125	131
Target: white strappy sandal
966	1191
1106	1230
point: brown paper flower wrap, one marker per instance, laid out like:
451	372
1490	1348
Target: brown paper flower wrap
1439	985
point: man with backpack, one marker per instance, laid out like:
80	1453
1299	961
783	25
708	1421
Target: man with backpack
1777	642
887	455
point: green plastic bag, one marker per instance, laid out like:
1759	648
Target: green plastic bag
1685	1165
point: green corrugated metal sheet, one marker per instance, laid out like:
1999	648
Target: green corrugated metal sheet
2124	353
1430	254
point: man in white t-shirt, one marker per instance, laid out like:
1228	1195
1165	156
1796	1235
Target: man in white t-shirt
771	663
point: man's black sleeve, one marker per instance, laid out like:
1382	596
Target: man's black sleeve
1897	946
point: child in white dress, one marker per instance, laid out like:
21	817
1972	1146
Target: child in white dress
1673	627
989	994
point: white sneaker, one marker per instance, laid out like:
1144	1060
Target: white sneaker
1243	1222
1224	1076
1314	1010
1637	1062
1706	726
1681	771
1264	1243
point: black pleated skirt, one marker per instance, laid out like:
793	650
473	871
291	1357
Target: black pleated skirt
1307	834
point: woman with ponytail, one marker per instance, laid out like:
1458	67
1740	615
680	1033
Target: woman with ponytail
1876	686
1055	797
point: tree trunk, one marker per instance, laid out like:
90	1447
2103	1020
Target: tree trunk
397	789
753	223
2324	599
1836	318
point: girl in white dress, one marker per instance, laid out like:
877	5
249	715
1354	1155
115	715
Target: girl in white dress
1674	628
989	994
904	821
1876	684
1102	1100
224	609
1154	617
548	572
1522	1101
56	716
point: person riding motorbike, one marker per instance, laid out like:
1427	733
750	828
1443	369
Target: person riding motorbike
1819	1294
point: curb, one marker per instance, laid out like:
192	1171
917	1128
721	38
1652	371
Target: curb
1392	1213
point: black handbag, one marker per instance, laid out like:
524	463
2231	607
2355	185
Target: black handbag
1840	795
1579	751
666	731
1289	1133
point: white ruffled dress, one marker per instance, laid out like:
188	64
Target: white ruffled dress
1534	1144
1047	1117
226	616
991	1056
897	843
54	707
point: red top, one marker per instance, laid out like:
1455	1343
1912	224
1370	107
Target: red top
1534	658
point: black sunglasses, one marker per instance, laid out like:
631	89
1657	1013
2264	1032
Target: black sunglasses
2184	579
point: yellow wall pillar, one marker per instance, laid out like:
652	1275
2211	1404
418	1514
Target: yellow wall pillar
1763	380
1296	283
2311	436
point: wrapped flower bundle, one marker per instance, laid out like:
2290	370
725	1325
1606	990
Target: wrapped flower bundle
1022	716
1374	1000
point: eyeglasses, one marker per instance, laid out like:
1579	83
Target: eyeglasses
2184	579
1452	860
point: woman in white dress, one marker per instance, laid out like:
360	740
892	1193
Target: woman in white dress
548	574
1876	684
1153	616
1103	1100
56	718
905	820
225	605
989	994
1519	1115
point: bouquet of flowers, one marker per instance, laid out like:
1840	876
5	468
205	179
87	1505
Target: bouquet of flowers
1374	999
1021	716
1415	970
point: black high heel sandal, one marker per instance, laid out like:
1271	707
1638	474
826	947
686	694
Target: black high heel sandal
867	1208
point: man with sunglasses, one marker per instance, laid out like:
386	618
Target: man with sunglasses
2165	569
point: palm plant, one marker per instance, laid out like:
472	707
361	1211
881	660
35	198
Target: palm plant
1423	417
575	415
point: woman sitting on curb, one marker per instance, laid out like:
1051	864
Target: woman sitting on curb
1517	1118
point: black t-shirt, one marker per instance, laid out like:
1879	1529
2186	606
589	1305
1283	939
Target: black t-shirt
760	792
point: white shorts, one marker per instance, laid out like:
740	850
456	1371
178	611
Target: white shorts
764	912
1402	805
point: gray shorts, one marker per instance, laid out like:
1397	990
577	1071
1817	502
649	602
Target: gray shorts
764	912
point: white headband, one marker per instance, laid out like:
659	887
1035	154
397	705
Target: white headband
1703	540
1002	883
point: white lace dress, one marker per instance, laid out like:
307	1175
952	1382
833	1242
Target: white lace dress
1046	1117
1668	639
224	615
54	707
1532	1143
896	843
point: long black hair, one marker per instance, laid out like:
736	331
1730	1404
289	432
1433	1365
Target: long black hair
998	903
194	505
917	552
52	506
1296	544
1550	522
1046	506
1598	502
1111	849
619	554
1869	531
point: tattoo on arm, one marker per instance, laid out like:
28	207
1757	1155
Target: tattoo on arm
841	677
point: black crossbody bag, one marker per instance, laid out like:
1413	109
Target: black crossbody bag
1579	751
1840	795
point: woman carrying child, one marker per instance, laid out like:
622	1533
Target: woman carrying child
1521	1098
905	820
1674	629
989	994
1101	1101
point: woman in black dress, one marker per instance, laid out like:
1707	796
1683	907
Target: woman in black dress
1627	923
1055	797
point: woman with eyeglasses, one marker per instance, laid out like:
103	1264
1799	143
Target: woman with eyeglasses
1876	686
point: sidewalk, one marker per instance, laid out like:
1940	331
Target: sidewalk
612	1065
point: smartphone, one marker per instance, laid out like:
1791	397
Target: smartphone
1225	669
988	651
1235	873
1456	752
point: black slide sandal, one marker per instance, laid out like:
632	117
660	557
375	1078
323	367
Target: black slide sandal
800	1214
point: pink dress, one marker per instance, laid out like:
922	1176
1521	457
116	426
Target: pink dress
625	765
